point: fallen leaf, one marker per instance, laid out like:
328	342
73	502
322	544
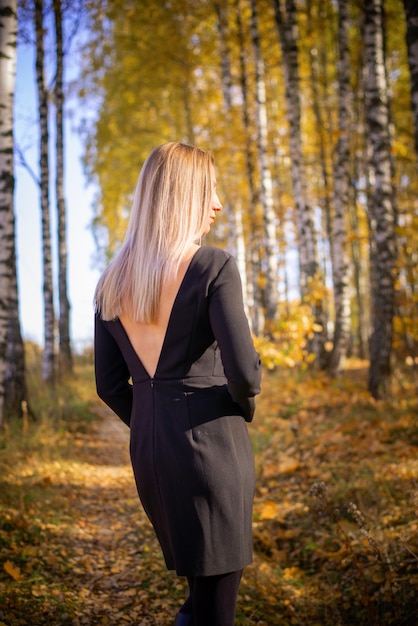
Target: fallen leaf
269	510
288	465
12	570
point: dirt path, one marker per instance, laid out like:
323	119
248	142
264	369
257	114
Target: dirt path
117	570
117	561
86	554
76	546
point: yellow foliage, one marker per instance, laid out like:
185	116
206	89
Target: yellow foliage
269	510
286	345
317	291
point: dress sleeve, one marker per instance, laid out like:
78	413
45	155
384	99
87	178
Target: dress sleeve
111	371
230	327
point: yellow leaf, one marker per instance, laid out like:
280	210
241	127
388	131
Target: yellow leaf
12	570
288	465
269	510
292	573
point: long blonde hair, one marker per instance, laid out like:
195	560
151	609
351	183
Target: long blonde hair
170	210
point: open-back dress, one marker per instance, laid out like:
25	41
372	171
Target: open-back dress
190	449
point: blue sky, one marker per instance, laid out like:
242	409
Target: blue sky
82	276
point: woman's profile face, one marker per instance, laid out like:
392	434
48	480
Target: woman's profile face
215	207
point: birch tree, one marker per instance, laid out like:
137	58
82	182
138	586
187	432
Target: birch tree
227	91
65	356
318	68
253	286
360	282
266	186
381	199
48	361
340	267
307	240
357	213
411	12
15	376
287	30
8	41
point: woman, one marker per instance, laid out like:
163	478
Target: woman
175	360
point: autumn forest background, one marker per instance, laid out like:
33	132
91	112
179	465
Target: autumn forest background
311	110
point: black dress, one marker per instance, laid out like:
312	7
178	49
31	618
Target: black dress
190	450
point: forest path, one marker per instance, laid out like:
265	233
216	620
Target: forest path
117	558
76	548
94	544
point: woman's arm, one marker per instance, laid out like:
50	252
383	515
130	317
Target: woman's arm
230	327
112	374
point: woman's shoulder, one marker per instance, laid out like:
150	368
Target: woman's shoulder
212	263
214	256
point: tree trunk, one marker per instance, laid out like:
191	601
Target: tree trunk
307	239
225	54
254	297
319	102
266	187
358	218
233	204
49	317
381	202
340	266
8	41
411	11
15	378
323	120
240	253
65	355
359	281
287	29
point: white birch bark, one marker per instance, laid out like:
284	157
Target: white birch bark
360	283
266	186
308	254
48	361
381	202
411	12
307	238
15	377
237	228
8	43
340	264
65	355
253	290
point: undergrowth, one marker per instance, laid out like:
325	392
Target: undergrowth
335	515
337	503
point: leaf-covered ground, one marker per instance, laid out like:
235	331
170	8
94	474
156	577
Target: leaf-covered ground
335	520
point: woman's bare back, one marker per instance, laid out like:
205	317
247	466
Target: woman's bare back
147	339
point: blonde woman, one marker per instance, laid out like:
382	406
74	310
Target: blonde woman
175	360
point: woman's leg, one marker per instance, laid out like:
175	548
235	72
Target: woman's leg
188	605
214	599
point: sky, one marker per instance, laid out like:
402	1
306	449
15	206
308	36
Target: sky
82	276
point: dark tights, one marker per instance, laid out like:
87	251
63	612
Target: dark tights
212	599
